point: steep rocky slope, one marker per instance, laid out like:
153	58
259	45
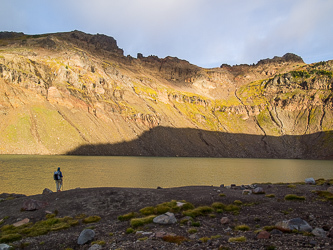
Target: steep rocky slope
77	93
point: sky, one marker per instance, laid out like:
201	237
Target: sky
206	33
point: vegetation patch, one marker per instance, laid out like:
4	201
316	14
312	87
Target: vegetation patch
99	242
174	239
242	228
91	219
326	195
290	197
137	222
9	233
270	195
237	239
127	217
202	210
130	230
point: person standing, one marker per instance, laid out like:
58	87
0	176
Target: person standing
58	179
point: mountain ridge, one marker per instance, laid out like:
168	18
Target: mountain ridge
62	91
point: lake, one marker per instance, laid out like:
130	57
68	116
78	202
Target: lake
26	174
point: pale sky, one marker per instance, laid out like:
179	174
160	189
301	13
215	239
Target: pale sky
206	33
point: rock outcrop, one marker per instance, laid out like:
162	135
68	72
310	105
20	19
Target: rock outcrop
77	93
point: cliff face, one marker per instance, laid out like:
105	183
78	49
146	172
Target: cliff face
77	93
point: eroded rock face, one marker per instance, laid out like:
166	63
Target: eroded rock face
82	90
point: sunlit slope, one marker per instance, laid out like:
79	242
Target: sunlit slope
62	91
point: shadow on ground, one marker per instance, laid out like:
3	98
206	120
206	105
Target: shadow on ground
187	142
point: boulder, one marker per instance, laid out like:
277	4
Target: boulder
47	191
258	190
21	222
294	224
5	247
263	235
85	236
310	181
167	218
31	205
319	232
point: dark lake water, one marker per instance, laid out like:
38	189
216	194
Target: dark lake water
26	174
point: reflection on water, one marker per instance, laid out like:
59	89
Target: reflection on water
31	174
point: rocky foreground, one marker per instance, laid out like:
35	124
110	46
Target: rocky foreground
261	216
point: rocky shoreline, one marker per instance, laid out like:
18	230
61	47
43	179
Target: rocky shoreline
259	216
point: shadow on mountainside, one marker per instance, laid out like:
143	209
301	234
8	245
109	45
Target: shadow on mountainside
187	142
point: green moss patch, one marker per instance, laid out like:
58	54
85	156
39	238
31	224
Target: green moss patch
290	197
9	233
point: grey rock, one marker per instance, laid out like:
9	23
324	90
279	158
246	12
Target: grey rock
95	247
167	218
85	236
5	247
294	224
319	232
258	190
310	181
330	189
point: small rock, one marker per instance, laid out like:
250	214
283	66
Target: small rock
233	185
95	247
310	181
193	236
246	192
258	190
5	247
319	232
31	205
22	222
224	220
330	189
160	234
47	191
222	185
159	187
294	224
167	218
263	235
143	233
85	236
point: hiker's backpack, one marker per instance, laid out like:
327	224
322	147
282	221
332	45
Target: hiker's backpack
56	176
